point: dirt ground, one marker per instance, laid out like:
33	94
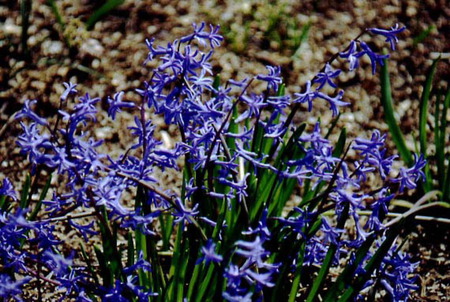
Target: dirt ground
109	58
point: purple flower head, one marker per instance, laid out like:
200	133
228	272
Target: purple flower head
240	187
182	213
397	274
237	297
253	158
390	35
275	127
85	230
83	297
158	51
239	84
10	288
370	147
408	177
255	103
141	263
116	103
315	252
326	77
140	292
57	263
374	57
379	209
260	279
352	55
201	35
209	253
273	79
334	102
254	271
316	139
108	192
299	222
71	283
331	235
144	133
279	102
7	189
35	144
235	287
261	230
29	113
245	135
116	293
86	107
255	253
142	223
342	197
46	236
62	160
14	229
70	89
306	97
200	83
373	152
84	111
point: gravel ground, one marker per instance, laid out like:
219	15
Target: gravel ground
109	58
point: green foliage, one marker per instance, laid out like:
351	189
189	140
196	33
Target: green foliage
438	164
389	116
104	10
423	35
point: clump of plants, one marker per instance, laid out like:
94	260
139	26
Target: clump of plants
233	232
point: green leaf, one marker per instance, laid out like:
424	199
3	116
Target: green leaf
423	35
130	249
297	273
302	38
340	144
232	128
55	10
102	11
328	261
423	135
177	269
24	196
166	221
373	264
88	262
347	274
105	272
394	128
269	181
59	20
332	126
208	284
445	187
41	198
3	204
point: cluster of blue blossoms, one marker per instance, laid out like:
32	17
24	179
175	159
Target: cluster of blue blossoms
218	124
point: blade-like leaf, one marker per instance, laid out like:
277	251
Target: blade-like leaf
424	107
102	11
394	128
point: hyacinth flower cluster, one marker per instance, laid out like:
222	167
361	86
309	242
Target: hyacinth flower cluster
233	233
